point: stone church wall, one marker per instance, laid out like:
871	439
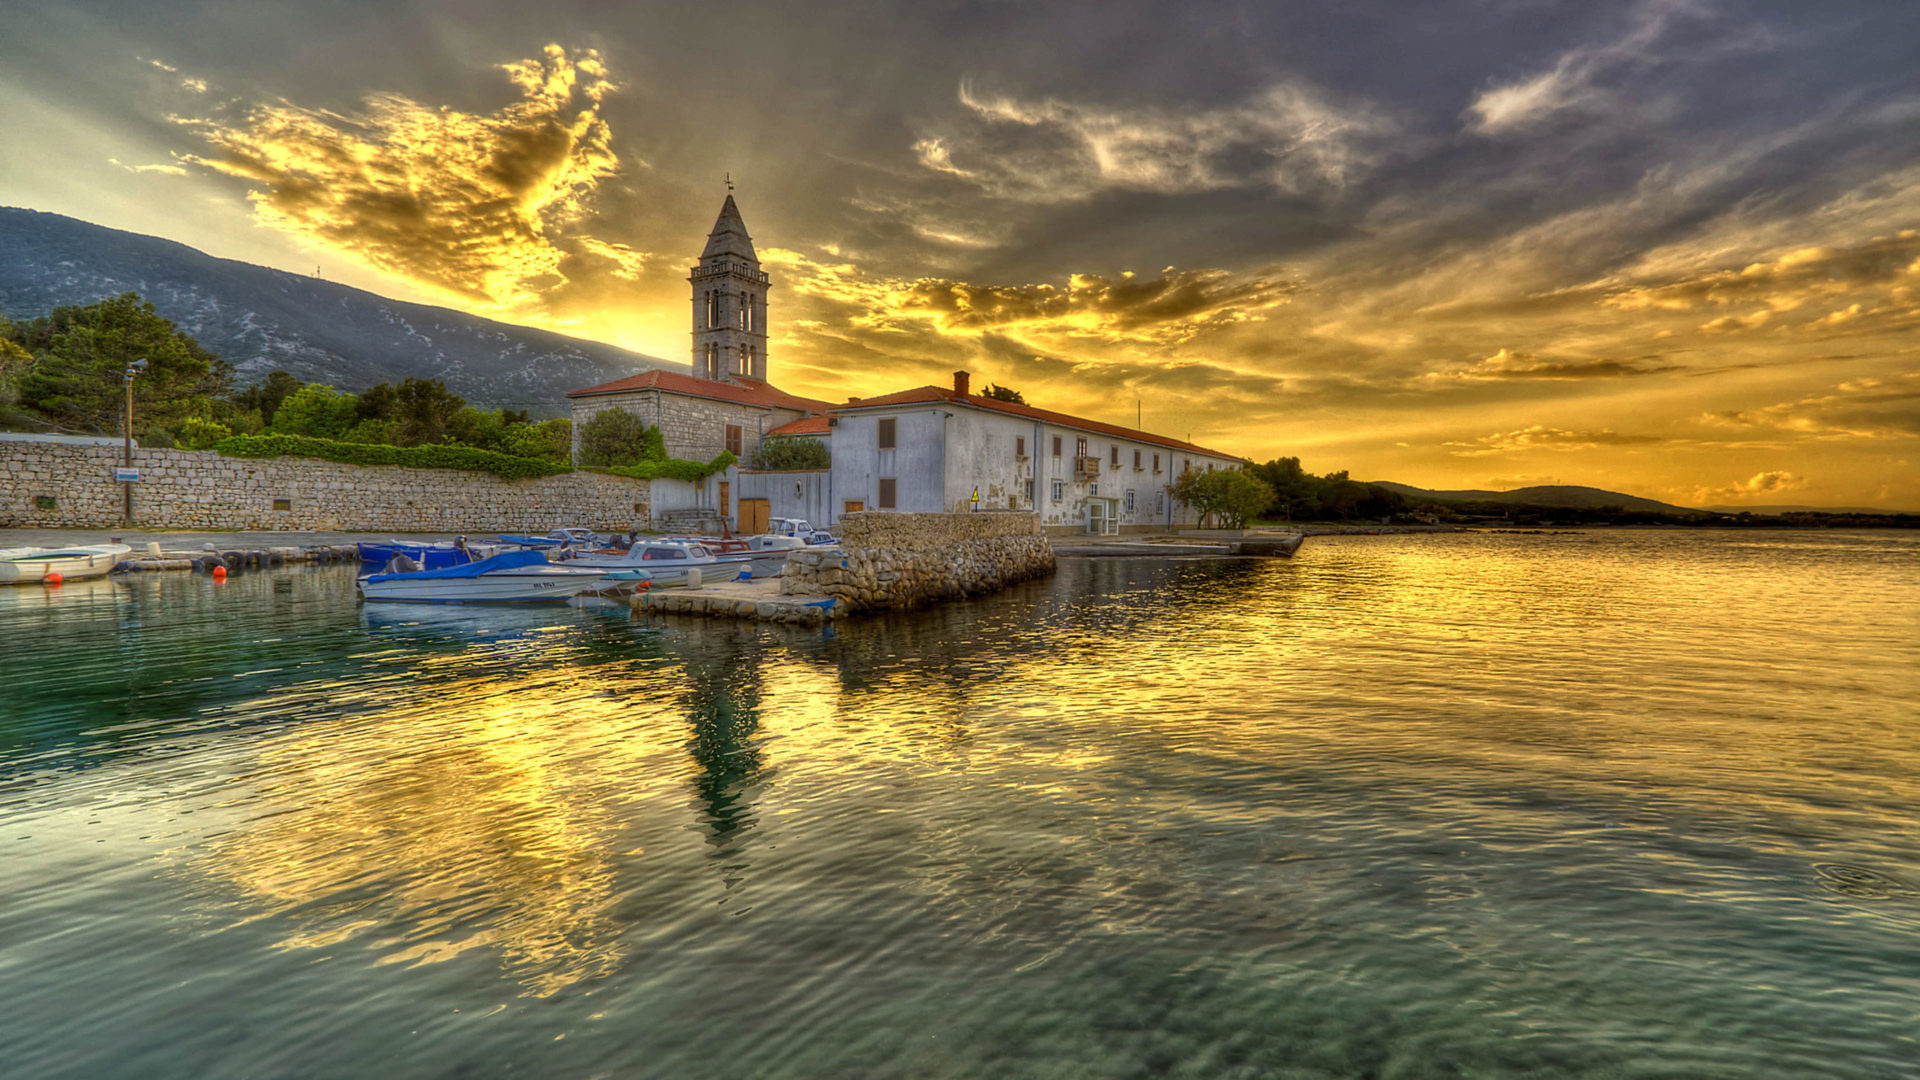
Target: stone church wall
693	428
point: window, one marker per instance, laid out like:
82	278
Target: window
1136	461
1156	463
1186	465
713	311
888	436
1020	446
283	504
742	316
1093	487
1114	460
1159	502
1129	500
744	369
733	439
1059	490
1056	446
1079	448
888	487
1029	493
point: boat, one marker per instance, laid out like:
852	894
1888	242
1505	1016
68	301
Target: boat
509	577
558	538
666	562
426	556
28	566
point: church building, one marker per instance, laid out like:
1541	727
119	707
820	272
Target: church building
929	448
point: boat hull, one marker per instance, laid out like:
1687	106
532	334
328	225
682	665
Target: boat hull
517	587
72	564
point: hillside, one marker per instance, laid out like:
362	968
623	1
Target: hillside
259	319
1585	498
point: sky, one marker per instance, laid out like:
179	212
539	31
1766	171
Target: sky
1669	247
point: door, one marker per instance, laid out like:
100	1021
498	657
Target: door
726	507
754	515
853	506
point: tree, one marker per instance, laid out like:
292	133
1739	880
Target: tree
548	440
1234	494
790	452
1295	490
81	354
265	396
618	437
424	409
315	410
1004	393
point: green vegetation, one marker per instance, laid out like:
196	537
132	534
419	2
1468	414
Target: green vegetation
616	437
413	457
1234	496
1302	496
65	371
674	469
1003	393
790	452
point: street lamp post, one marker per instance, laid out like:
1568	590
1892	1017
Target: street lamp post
126	461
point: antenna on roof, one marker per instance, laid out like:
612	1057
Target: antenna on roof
729	182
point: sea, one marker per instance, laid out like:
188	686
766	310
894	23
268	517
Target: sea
1610	803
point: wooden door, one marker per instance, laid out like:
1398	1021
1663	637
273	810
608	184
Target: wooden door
726	505
754	515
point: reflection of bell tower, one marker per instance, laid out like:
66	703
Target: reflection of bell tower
729	303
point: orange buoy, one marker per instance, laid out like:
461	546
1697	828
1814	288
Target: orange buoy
54	578
219	573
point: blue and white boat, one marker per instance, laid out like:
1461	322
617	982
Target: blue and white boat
510	577
437	556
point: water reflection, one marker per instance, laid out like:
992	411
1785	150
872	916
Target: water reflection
721	700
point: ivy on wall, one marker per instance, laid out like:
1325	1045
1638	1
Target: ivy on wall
505	466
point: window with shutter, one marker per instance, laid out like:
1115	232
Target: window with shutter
888	434
887	491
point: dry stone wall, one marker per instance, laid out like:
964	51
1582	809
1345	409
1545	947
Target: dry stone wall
890	560
50	485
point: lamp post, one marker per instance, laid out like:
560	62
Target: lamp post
133	369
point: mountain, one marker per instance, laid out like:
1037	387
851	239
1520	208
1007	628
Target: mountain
1585	498
259	319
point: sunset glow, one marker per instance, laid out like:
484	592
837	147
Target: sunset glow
1670	248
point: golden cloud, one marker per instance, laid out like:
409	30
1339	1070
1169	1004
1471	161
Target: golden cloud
468	203
1789	281
1507	364
1168	308
1869	407
1539	437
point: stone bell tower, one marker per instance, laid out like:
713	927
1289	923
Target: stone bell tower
729	303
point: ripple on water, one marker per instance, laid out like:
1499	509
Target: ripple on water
1413	807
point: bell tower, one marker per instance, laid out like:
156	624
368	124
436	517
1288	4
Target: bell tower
729	303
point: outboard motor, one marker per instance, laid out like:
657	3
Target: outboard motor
401	563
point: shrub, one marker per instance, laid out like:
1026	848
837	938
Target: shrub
198	434
413	457
618	437
674	469
790	452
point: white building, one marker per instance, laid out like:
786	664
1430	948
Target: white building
934	448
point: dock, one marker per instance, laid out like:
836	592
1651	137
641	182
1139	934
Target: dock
759	599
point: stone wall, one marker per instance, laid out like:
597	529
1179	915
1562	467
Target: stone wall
694	429
908	560
199	489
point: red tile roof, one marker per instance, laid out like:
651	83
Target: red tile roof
764	395
928	394
806	425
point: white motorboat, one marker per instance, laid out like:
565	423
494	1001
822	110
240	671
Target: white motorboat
665	561
28	566
510	577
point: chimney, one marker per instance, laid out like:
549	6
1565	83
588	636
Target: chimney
960	383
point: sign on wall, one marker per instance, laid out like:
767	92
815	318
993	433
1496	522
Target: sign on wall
125	476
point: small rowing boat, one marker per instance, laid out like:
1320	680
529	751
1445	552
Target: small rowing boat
27	566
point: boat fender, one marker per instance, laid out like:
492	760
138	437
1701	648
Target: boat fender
219	573
55	578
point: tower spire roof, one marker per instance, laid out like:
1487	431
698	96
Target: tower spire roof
729	235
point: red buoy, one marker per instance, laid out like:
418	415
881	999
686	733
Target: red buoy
219	573
54	577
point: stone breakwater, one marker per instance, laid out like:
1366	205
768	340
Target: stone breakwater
898	561
57	485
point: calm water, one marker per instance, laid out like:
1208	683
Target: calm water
1636	804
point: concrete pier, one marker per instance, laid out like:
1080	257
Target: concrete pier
758	599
